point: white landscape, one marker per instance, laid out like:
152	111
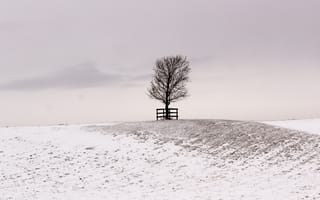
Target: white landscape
126	63
185	159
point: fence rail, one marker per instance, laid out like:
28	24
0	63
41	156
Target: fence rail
161	114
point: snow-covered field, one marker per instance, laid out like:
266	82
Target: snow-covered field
307	125
185	159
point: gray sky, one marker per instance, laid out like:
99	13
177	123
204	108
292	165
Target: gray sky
79	61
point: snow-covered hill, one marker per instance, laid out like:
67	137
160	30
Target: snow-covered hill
185	159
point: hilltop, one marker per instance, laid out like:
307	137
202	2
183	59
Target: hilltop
185	159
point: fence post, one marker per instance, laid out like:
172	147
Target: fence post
161	113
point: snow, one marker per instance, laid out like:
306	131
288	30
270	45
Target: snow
189	159
306	125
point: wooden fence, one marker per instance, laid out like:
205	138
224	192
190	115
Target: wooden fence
173	113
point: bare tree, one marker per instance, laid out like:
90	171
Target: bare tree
169	80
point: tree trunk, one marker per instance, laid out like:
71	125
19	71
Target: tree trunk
167	112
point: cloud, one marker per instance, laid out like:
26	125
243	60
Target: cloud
201	59
83	75
140	78
9	26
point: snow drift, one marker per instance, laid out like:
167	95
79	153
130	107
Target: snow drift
185	159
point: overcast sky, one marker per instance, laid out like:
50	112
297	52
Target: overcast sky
78	61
